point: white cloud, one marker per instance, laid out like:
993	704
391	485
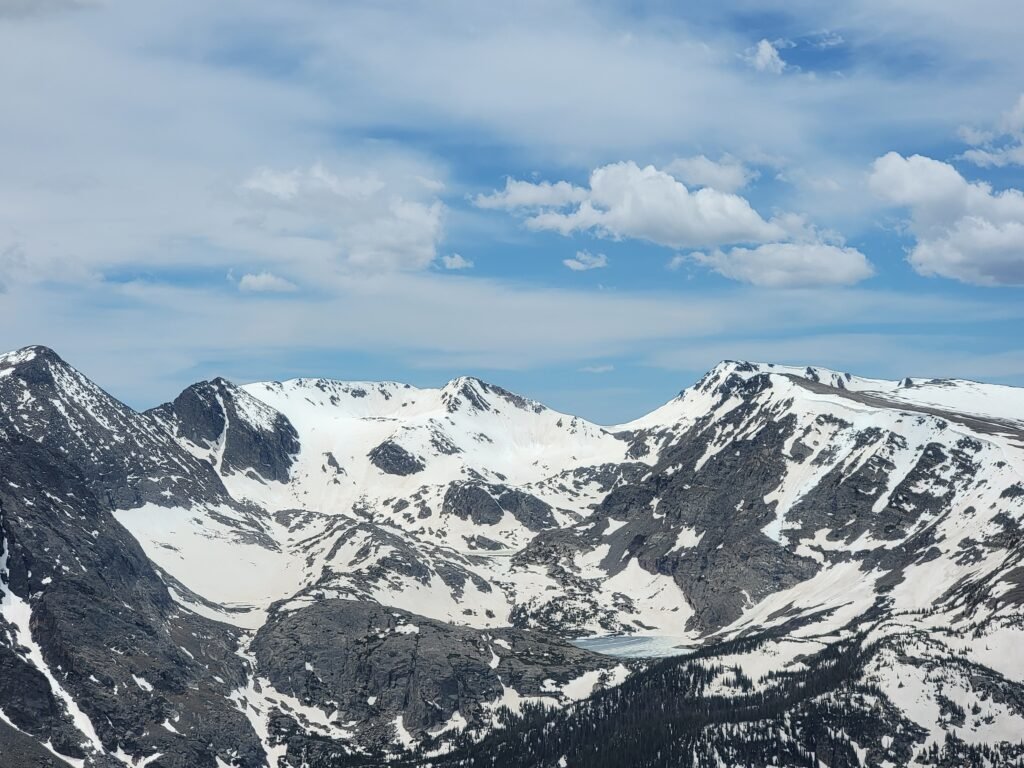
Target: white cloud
523	194
265	282
678	261
625	200
999	147
316	180
366	222
764	57
585	260
725	175
456	261
829	39
974	136
996	158
790	265
597	369
120	171
963	230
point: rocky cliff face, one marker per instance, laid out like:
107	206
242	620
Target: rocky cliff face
99	658
127	459
236	431
318	573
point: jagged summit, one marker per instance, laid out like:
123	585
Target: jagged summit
478	394
231	429
126	457
37	364
25	355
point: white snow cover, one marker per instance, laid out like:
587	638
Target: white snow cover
471	429
342	518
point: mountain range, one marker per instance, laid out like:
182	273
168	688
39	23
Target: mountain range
781	566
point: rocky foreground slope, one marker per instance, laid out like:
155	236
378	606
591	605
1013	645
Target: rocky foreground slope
315	573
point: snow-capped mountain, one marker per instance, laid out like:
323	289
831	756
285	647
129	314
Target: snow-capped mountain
286	573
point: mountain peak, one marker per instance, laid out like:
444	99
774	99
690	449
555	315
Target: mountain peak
34	354
220	382
40	369
480	395
817	374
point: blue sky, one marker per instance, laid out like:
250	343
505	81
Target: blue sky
590	203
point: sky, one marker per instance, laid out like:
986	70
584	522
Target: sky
590	203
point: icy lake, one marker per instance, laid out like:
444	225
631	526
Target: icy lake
637	647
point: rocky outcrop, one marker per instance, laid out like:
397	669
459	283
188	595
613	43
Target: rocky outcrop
392	459
373	664
486	505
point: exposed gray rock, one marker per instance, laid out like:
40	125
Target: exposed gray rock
125	457
104	618
371	664
486	504
391	458
472	502
254	436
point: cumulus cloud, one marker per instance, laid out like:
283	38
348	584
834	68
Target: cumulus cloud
367	222
625	200
585	261
456	261
963	230
790	265
764	57
726	175
265	282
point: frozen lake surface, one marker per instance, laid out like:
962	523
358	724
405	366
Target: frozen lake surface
634	647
